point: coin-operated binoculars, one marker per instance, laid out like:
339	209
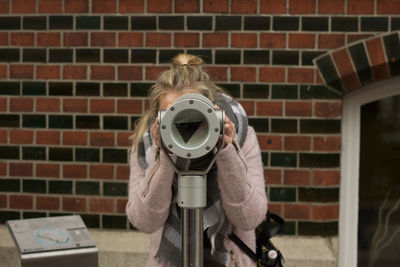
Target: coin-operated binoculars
190	128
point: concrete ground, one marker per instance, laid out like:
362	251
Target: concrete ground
129	248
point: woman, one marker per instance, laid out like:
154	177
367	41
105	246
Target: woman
236	198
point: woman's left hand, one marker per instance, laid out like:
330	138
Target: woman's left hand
230	132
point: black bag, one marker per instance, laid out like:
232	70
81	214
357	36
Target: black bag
267	255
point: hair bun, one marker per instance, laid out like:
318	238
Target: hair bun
185	60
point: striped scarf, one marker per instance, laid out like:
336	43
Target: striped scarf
214	220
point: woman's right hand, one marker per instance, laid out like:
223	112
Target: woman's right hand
155	133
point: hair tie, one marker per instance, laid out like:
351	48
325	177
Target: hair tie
184	65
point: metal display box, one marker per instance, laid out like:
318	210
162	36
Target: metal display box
54	241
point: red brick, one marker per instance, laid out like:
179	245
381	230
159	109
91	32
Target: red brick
302	7
270	142
298	109
296	177
215	40
186	39
121	205
244	40
153	72
50	6
158	39
187	6
3	168
244	6
3	38
269	108
75	138
351	38
360	6
130	106
47	138
22	39
272	176
102	72
377	59
102	139
4	6
21	137
104	6
106	39
74	204
388	7
217	73
297	211
275	208
21	202
102	171
102	106
47	72
101	205
3	198
21	71
346	70
130	73
75	105
23	6
220	6
325	212
327	143
323	178
48	39
159	6
76	39
47	170
302	40
48	104
297	143
74	171
328	109
300	75
130	39
3	104
131	6
272	40
243	74
123	172
74	72
3	72
331	6
330	41
273	6
123	139
272	74
249	107
76	6
21	104
21	169
3	137
47	203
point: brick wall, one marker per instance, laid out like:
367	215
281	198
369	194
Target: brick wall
74	75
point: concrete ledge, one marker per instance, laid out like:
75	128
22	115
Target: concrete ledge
129	248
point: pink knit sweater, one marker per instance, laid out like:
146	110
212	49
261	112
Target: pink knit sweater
241	182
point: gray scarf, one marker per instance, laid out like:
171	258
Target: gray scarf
214	220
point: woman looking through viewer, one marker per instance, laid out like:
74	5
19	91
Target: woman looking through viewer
236	199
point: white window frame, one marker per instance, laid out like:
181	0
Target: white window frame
350	161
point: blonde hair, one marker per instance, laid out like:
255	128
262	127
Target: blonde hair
185	75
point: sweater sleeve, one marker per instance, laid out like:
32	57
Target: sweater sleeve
241	182
149	192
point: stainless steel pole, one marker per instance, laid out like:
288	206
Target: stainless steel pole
192	199
192	237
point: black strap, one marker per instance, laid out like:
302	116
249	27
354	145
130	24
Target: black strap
266	233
